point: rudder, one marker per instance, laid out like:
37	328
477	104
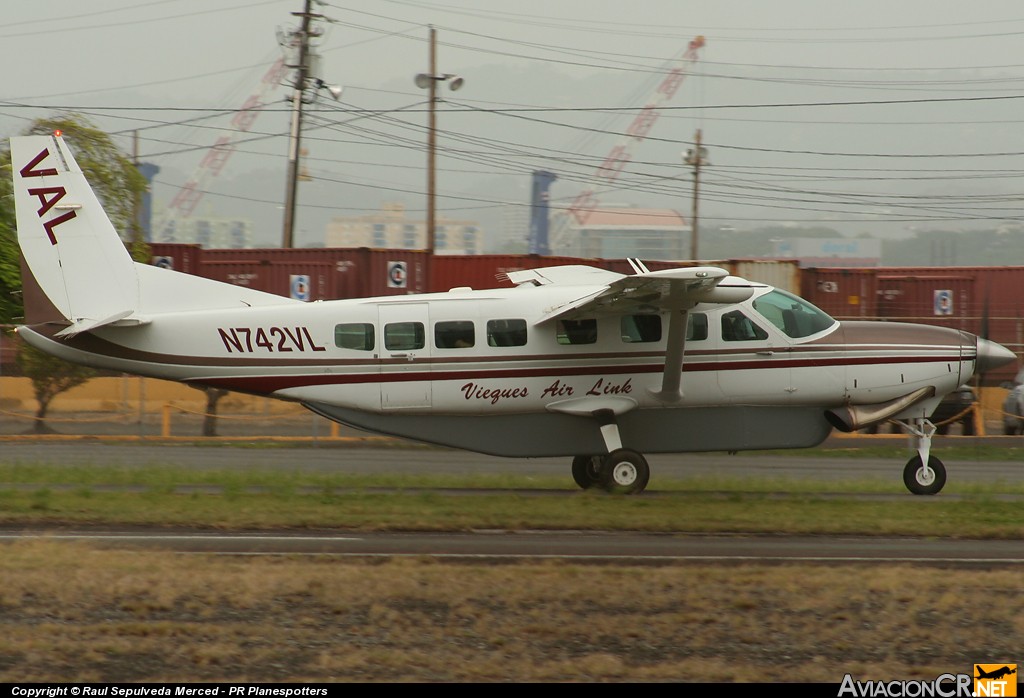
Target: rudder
67	241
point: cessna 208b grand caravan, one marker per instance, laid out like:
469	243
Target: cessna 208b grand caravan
572	361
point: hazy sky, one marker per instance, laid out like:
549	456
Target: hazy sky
905	113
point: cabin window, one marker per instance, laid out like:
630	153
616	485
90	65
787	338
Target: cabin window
794	316
696	327
354	335
506	333
647	328
454	334
576	331
641	328
737	327
403	336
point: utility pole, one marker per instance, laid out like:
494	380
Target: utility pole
697	157
298	89
431	162
429	82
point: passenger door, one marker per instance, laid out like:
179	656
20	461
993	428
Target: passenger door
404	356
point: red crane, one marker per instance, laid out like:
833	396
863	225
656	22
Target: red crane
220	152
621	153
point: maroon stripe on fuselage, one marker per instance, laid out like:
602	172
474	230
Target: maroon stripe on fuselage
273	383
441	368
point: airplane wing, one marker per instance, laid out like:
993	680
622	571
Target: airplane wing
675	291
657	291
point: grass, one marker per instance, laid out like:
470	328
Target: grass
266	498
75	614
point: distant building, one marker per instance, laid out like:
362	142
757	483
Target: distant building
514	228
391	228
145	212
615	233
831	252
209	232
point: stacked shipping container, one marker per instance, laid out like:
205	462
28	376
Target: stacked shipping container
986	301
362	272
980	300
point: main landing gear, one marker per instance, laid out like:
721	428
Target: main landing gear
622	471
924	473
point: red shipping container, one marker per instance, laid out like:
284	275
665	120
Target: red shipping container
483	271
179	257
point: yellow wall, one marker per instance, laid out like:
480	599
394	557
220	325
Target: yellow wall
119	394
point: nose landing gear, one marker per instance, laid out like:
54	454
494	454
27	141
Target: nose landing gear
924	473
921	479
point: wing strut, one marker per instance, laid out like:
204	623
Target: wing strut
672	376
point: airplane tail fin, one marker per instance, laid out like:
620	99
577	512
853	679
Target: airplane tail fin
67	241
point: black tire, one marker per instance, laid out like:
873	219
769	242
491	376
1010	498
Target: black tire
586	471
915	480
625	472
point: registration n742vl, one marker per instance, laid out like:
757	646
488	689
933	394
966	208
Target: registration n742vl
567	361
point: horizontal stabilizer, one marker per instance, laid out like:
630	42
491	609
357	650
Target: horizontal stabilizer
84	325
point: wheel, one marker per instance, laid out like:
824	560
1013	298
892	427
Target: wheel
921	481
586	471
624	472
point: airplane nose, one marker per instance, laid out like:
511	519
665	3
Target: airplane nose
992	355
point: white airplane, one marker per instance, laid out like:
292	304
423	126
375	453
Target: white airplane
571	361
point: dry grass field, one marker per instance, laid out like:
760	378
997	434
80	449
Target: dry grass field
72	613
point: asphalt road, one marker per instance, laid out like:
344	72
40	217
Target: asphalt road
354	459
579	546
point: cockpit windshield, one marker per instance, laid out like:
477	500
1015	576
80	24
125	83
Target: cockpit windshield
794	316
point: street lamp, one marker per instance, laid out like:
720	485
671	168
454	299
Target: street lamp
429	81
697	157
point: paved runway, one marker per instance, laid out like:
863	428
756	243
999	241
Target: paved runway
607	547
355	459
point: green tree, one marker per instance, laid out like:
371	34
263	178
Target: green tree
118	184
50	377
10	256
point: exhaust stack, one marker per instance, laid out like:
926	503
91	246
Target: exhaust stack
850	418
